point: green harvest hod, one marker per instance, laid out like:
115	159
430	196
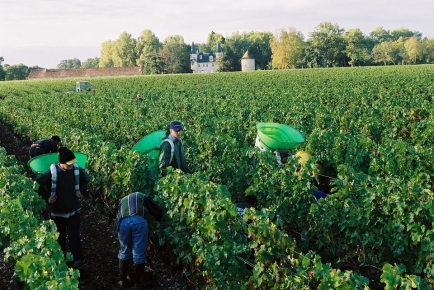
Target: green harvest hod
149	144
41	163
278	136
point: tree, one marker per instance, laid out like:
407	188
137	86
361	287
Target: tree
69	63
380	35
16	72
227	62
176	55
400	55
329	43
312	56
211	44
428	50
147	48
106	59
33	68
401	32
2	71
357	47
91	63
153	64
238	44
414	49
287	49
385	52
260	49
124	51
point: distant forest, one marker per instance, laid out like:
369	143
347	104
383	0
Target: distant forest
327	46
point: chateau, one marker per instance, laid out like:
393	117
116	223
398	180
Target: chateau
204	62
207	62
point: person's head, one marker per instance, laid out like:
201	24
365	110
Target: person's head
251	199
57	140
139	97
284	155
303	158
66	156
175	129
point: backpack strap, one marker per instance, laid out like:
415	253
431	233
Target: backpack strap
76	177
172	147
53	169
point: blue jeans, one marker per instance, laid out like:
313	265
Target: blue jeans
133	238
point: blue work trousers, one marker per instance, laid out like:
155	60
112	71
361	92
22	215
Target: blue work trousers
133	238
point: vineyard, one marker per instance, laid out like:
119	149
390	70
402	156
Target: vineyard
370	132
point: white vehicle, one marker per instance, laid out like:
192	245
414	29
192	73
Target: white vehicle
83	87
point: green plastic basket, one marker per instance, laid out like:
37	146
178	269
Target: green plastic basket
42	162
278	136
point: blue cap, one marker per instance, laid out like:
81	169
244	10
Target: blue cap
319	194
176	126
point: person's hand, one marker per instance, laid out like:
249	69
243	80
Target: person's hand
78	194
52	199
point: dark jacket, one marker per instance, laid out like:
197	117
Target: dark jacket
49	145
66	201
178	159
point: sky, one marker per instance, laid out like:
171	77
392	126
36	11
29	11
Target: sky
45	32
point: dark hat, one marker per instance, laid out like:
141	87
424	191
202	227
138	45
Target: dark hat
66	156
284	153
56	138
176	126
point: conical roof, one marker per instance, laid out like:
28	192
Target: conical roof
218	48
246	55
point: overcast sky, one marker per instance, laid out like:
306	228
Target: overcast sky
45	32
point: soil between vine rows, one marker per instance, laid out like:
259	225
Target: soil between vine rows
100	243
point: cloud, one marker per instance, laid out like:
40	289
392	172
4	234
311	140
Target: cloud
78	23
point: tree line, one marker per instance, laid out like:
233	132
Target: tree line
327	46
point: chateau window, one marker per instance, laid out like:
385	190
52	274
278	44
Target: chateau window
198	65
206	65
210	58
200	56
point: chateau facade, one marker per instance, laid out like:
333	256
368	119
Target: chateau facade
204	62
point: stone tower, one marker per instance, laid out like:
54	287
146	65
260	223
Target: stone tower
247	63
